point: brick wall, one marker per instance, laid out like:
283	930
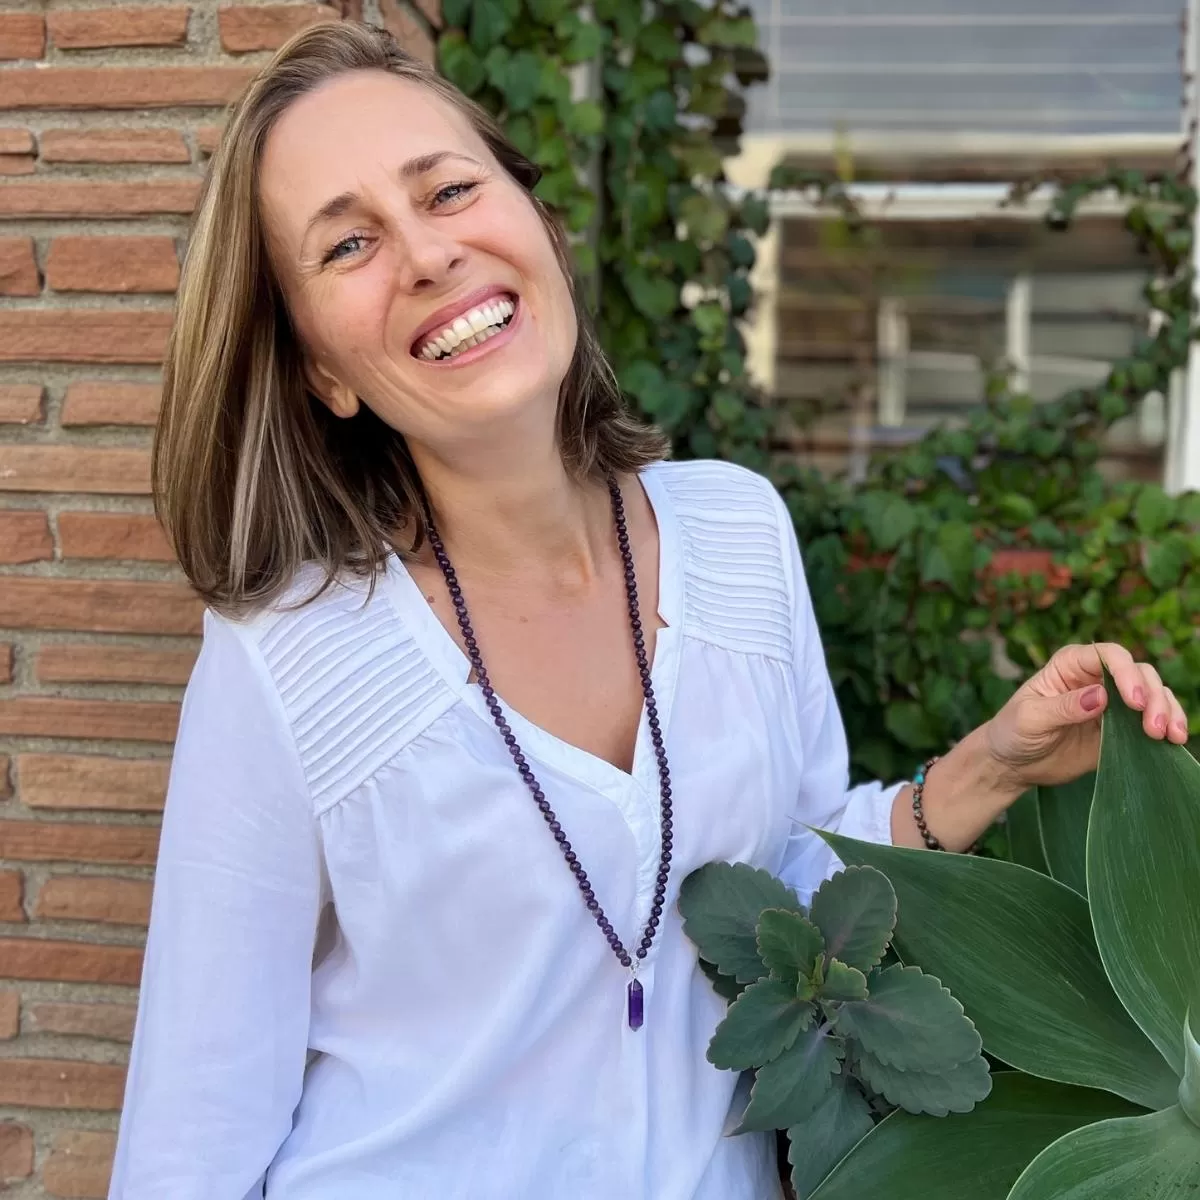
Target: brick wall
107	114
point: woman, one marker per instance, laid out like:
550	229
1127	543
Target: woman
483	679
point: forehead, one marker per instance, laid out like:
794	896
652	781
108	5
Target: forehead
351	130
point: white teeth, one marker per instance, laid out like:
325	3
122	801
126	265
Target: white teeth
468	330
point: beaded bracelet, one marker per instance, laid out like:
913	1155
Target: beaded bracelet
918	801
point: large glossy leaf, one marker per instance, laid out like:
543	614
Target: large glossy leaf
855	910
790	1088
1143	871
1153	1157
760	1025
720	904
1016	949
1063	821
1189	1089
977	1155
1024	836
938	1094
827	1135
910	1021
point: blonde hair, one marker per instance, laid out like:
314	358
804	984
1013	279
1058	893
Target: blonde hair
253	476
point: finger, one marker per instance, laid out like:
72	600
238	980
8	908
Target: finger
1127	675
1077	666
1156	716
1177	728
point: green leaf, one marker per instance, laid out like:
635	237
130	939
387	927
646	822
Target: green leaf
840	1121
855	910
977	1155
1155	1157
1025	834
455	13
654	295
522	80
586	119
1016	950
909	723
1152	511
1063	820
490	21
720	904
725	986
911	1022
460	64
1143	875
790	1088
889	518
937	1093
842	982
1189	1088
764	1021
1167	560
789	945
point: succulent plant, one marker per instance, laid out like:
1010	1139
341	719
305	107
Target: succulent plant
1080	973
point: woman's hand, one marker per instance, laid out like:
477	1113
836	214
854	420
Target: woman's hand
1049	732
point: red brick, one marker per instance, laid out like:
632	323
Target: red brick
10	1014
93	898
97	198
18	269
12	891
87	29
124	720
17	164
61	1083
16	1152
112	1022
93	781
16	141
21	403
68	962
99	605
407	29
112	264
268	26
22	35
86	335
208	137
80	1165
24	536
74	469
130	536
114	146
78	841
113	664
96	403
121	87
6	662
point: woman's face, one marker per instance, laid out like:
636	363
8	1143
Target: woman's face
417	273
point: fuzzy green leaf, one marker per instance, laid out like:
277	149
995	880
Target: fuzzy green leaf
1143	874
815	1146
725	986
842	982
855	910
937	1093
1153	1157
787	1090
788	944
911	1022
720	904
977	1154
761	1024
1016	949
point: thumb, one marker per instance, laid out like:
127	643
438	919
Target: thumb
1076	708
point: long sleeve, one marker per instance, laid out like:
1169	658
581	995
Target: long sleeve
825	801
220	1044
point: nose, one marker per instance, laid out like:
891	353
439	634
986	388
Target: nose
427	255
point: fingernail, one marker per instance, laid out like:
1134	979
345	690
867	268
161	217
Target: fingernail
1160	723
1180	730
1092	699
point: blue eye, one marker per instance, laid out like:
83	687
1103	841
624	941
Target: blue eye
335	251
453	191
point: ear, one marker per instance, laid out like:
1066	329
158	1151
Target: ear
341	400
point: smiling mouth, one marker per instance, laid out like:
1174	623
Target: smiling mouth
474	327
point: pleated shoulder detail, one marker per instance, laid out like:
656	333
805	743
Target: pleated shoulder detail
737	579
354	685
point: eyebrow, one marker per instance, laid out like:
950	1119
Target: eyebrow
413	169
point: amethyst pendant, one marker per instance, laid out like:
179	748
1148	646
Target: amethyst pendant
637	1007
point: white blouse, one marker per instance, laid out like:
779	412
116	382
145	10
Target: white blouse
370	974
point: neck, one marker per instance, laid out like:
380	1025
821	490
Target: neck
530	517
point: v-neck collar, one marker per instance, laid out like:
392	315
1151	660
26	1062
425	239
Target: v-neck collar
453	665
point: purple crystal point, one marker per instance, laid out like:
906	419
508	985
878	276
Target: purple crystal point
637	1006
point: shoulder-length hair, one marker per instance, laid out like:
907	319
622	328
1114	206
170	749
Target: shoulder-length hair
253	476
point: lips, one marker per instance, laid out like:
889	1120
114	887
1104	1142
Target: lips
467	322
